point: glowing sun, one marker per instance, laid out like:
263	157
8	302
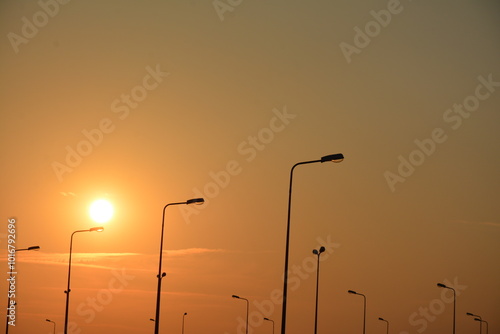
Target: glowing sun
101	211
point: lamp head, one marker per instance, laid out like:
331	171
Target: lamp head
477	319
381	319
34	248
352	292
195	201
315	251
97	229
321	249
185	313
441	285
333	158
234	296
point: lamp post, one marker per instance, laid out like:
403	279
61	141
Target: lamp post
318	253
382	319
480	323
364	307
8	285
238	297
160	274
185	313
271	321
441	285
486	322
68	290
53	323
332	157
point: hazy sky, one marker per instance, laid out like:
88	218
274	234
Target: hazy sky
151	102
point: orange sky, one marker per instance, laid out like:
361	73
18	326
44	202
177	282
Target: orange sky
152	102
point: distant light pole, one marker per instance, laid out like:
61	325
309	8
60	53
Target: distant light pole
68	290
441	285
364	307
185	313
160	274
382	319
480	323
332	157
53	323
318	253
271	321
238	297
486	322
8	285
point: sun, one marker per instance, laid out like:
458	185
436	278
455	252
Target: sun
101	211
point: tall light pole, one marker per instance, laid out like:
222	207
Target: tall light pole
364	307
480	323
53	323
238	297
441	285
184	315
68	290
271	320
318	253
8	285
332	157
382	319
160	274
486	322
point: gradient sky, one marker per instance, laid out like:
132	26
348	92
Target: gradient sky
219	99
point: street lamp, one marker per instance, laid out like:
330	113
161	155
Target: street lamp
480	324
486	322
441	285
271	321
333	158
238	297
160	274
364	308
185	313
53	323
382	319
8	285
318	253
68	290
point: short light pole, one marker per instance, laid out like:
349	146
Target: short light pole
10	275
333	158
480	323
160	274
96	229
382	319
318	253
53	323
271	320
364	307
183	316
238	297
486	322
441	285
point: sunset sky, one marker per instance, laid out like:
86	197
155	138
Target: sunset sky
145	103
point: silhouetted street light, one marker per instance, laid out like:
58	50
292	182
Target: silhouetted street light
318	253
441	285
53	323
160	274
238	297
480	324
185	313
486	322
68	290
8	286
364	307
382	319
333	158
271	321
